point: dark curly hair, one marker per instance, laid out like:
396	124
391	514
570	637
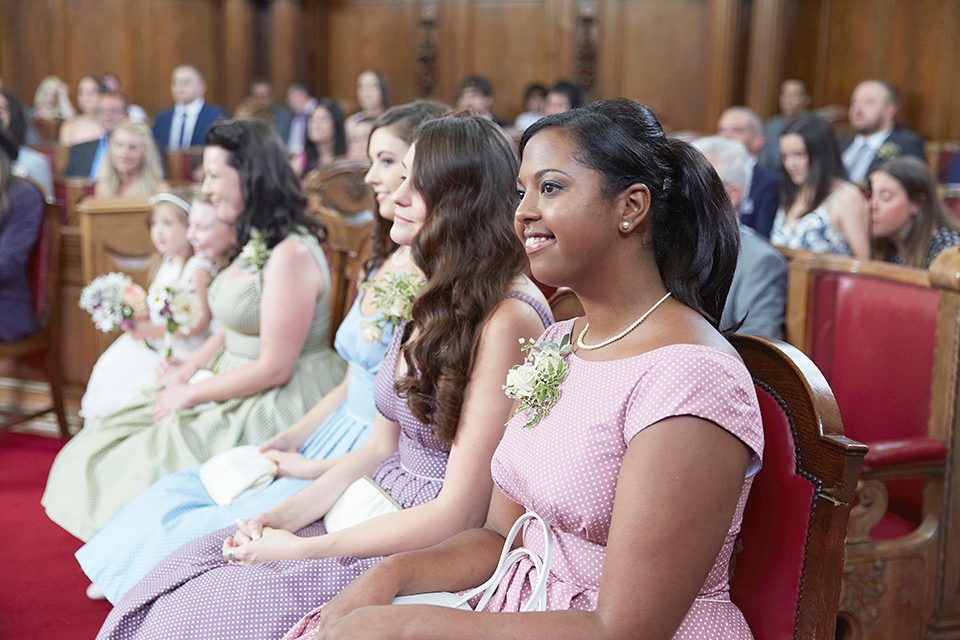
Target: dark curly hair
465	169
272	200
403	121
694	229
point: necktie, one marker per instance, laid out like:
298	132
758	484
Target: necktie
859	162
184	140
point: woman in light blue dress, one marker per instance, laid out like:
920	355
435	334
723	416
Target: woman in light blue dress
178	509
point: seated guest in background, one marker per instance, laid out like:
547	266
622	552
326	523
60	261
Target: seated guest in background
758	294
358	136
534	101
909	223
110	84
84	126
84	160
133	165
643	466
186	124
326	138
873	112
30	163
51	107
272	360
794	100
302	103
373	95
819	209
759	207
261	92
21	214
476	93
563	96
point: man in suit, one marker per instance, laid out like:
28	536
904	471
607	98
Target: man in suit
873	112
476	92
759	207
758	293
794	100
262	93
84	159
186	124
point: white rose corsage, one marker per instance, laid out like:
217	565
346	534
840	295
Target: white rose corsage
536	382
255	253
394	295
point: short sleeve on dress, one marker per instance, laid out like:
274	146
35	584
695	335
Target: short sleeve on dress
196	262
693	380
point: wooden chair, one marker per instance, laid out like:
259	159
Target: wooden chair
786	571
182	165
886	338
340	186
44	274
565	305
68	193
939	155
347	248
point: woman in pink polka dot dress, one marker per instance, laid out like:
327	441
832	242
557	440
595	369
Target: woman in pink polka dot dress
643	465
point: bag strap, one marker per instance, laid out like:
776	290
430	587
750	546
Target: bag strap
538	599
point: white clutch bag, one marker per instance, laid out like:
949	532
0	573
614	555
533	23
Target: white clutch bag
538	599
237	473
362	500
199	376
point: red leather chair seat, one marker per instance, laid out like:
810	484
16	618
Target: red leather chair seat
893	525
767	572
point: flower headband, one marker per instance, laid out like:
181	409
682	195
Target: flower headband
172	199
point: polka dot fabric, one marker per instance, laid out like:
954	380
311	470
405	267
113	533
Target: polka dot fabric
565	468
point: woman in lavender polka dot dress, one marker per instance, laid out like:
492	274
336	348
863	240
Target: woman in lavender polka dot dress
435	432
643	465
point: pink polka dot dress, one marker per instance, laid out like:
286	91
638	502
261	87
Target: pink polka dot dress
565	468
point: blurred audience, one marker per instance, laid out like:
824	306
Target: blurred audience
83	127
759	207
476	93
326	138
535	102
133	164
302	103
794	100
373	96
85	158
186	124
563	96
28	163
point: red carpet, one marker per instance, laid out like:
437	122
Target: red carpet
42	595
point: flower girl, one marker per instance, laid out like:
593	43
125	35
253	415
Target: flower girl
131	363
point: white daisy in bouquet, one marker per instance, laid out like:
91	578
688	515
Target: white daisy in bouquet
113	300
174	306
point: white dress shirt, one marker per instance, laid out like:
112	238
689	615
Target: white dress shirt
181	129
859	155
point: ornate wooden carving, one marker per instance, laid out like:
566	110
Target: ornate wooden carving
585	61
427	52
871	505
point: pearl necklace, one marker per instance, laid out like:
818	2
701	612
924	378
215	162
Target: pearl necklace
636	323
396	262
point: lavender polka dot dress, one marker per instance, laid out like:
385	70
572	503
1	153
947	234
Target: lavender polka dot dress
193	593
565	468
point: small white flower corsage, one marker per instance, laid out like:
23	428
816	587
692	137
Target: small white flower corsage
255	253
395	297
889	151
536	382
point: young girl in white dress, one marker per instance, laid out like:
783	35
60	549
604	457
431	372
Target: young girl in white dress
131	363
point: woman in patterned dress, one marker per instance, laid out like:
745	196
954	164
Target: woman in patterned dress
272	361
909	222
440	408
642	467
820	210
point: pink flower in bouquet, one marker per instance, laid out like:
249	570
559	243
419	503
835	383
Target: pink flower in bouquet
135	297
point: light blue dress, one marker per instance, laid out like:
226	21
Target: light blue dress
177	509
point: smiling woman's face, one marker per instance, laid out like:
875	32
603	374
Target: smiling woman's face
411	210
386	151
221	183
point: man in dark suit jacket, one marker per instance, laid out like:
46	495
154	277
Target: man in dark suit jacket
262	93
759	208
186	124
873	112
84	159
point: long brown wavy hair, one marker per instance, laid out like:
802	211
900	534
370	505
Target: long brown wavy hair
465	169
402	121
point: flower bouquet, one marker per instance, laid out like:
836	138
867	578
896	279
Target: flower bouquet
113	300
536	382
395	296
174	306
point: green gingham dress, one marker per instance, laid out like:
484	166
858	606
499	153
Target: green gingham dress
111	460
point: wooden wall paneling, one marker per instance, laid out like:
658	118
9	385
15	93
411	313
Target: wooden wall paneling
765	64
74	321
286	42
316	48
720	71
237	48
371	34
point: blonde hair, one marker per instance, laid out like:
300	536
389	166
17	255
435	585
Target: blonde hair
183	194
151	171
57	82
